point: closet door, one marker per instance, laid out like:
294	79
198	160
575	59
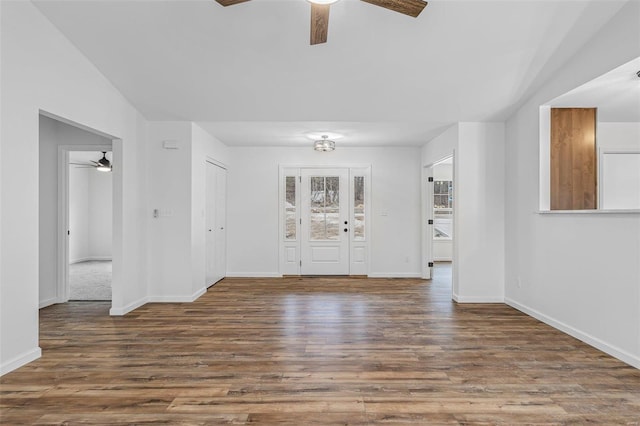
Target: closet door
216	217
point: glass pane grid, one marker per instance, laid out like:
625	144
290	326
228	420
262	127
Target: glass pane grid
290	224
442	209
325	208
358	208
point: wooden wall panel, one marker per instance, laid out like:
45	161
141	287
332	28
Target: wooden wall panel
573	159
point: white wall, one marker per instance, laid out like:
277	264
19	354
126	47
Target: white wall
78	218
443	171
618	173
479	212
42	70
51	135
100	214
618	135
578	272
252	220
170	193
440	147
90	214
176	253
478	258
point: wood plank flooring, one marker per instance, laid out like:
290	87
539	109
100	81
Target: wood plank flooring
301	351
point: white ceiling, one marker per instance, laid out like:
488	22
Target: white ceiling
239	133
616	94
248	75
87	156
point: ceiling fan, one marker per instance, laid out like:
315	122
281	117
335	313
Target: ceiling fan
320	13
102	165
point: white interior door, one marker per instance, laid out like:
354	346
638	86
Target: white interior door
221	223
325	222
216	241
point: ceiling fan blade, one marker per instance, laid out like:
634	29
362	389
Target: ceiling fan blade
406	7
230	2
82	164
319	23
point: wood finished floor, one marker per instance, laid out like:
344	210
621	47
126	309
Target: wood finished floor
315	351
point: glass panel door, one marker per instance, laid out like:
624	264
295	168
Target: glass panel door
325	222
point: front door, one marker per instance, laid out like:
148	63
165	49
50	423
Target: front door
325	222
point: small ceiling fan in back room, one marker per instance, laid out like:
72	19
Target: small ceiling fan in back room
320	13
102	165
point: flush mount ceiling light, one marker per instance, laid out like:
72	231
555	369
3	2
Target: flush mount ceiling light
320	13
324	145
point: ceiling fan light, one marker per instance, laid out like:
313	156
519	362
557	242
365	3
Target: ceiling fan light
102	168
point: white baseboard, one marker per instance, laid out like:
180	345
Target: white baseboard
126	309
253	275
88	259
48	302
20	360
156	299
614	351
198	293
478	299
176	298
395	275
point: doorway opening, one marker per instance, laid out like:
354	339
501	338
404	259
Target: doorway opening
90	207
76	212
439	220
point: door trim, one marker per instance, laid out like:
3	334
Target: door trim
289	251
210	162
62	285
427	230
